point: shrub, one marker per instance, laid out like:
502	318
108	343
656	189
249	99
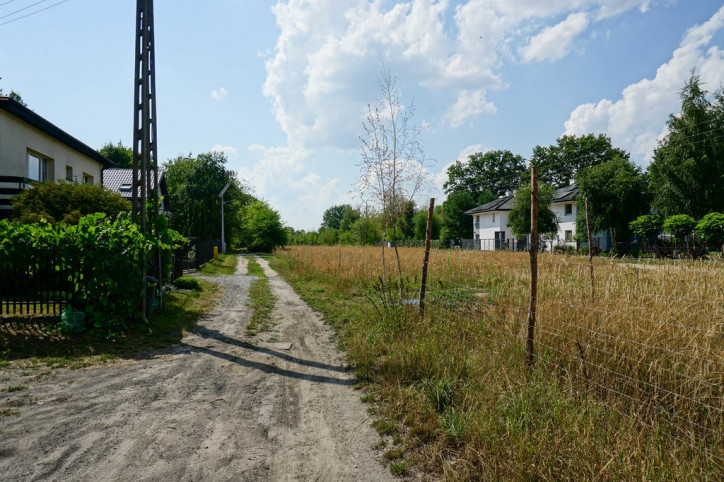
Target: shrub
711	228
647	225
66	202
679	225
187	283
102	259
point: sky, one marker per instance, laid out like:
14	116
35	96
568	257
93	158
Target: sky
282	87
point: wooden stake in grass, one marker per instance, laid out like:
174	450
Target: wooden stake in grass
590	250
533	262
428	236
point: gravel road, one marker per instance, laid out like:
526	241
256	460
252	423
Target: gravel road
219	406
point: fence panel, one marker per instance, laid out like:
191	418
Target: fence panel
40	286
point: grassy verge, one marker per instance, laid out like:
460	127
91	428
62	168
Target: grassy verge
454	398
25	344
224	264
261	300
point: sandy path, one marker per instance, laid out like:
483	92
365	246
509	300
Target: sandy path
217	407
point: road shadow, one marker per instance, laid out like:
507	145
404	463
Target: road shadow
217	335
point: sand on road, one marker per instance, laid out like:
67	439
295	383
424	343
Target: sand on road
220	406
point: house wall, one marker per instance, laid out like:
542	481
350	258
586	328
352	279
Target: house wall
17	138
486	228
566	222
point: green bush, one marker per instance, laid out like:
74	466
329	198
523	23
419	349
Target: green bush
647	225
66	202
102	258
679	226
187	283
711	228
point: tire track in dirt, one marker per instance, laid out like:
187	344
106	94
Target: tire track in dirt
219	406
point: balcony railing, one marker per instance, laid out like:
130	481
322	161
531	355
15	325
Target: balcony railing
11	186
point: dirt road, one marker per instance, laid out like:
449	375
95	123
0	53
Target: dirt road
220	406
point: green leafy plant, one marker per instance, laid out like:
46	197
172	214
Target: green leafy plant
679	226
711	227
647	225
187	283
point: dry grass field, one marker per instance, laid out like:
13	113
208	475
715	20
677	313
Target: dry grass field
628	381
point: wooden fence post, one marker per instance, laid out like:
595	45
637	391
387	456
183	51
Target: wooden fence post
533	263
590	251
423	278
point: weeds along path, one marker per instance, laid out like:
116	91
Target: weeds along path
221	405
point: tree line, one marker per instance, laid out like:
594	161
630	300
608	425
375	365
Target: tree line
680	192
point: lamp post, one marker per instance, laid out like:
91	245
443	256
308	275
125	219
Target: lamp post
221	195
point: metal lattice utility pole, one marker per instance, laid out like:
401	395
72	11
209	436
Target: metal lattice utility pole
145	148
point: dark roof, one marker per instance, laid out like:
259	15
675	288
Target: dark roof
564	194
120	180
504	203
23	113
116	179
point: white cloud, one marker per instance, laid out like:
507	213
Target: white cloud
228	150
219	93
283	177
553	43
322	72
638	119
470	104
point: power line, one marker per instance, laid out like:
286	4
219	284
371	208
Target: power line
21	9
5	3
31	13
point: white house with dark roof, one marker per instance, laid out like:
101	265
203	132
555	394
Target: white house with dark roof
490	222
33	149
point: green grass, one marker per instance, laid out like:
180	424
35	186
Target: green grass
224	264
261	300
398	468
16	388
35	346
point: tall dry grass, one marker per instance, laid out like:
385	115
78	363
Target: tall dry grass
629	372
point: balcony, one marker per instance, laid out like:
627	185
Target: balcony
11	186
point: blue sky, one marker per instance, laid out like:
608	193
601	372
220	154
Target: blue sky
282	87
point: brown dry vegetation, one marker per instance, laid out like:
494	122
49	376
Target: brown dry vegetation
628	383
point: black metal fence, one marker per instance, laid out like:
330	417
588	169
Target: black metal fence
193	257
42	286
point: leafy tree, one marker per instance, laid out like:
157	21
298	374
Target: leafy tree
519	216
679	226
119	154
647	225
456	224
262	228
332	217
406	221
616	195
687	171
559	163
711	228
194	184
66	202
366	231
16	97
328	236
492	172
420	220
349	217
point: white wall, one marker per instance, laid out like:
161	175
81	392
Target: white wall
487	228
566	222
18	137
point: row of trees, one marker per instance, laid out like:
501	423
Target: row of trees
194	184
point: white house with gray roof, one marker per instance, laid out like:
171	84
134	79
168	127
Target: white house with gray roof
490	222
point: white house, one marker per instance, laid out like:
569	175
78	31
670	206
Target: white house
490	222
33	149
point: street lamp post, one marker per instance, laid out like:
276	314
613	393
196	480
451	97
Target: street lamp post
223	240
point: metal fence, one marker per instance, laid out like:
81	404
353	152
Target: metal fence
42	286
192	257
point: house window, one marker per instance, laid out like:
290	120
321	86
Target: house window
69	173
569	209
37	168
569	236
87	178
